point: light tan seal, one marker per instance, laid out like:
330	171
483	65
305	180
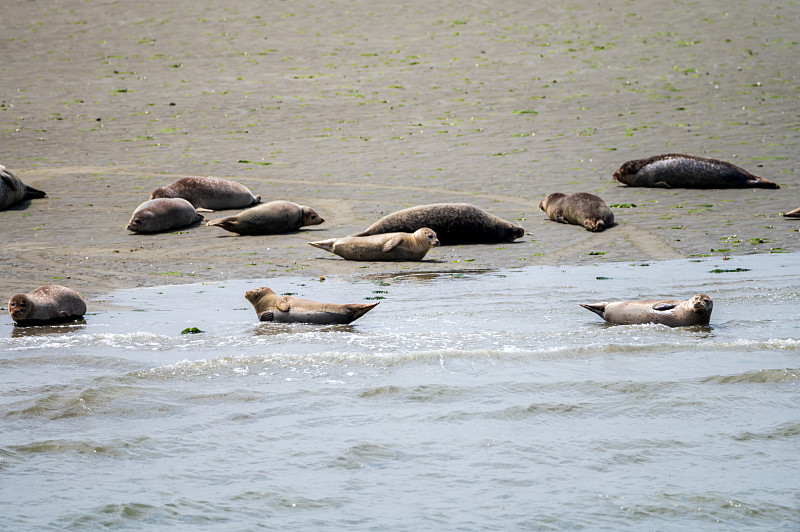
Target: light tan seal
675	313
270	218
793	214
163	214
212	193
382	247
453	223
46	304
581	208
12	190
678	170
287	309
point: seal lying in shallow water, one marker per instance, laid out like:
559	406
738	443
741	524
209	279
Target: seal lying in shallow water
163	214
383	246
581	208
453	223
47	304
675	313
793	214
287	309
211	193
269	219
676	170
12	190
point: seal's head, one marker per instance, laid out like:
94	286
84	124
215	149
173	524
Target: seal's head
427	237
310	216
257	293
161	192
701	303
19	307
549	199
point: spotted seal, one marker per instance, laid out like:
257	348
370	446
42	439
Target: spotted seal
47	304
453	223
675	313
269	218
270	306
383	246
163	214
211	193
12	190
581	208
677	170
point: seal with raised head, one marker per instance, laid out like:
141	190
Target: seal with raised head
581	208
269	219
672	312
47	304
211	193
163	214
793	214
453	223
270	306
383	246
677	170
12	190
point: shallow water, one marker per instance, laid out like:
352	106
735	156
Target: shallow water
479	400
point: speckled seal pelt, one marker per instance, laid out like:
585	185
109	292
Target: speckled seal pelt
12	190
212	193
46	304
453	223
270	306
272	218
677	170
671	312
581	208
382	247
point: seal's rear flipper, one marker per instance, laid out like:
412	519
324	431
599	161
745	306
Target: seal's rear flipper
359	309
597	308
33	193
793	214
327	245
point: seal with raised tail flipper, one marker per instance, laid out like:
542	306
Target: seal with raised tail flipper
12	190
453	223
47	304
581	208
270	218
163	214
677	170
383	246
671	312
270	306
211	193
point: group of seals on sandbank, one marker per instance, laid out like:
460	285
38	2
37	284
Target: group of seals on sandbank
407	234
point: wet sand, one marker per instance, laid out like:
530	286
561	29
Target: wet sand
359	109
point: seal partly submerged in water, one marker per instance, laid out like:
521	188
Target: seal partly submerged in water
453	223
672	312
383	246
269	219
211	193
47	304
581	208
12	190
676	170
270	306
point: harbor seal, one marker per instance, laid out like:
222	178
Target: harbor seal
453	223
47	304
793	214
676	170
269	219
12	190
581	208
383	246
287	309
211	193
163	214
675	313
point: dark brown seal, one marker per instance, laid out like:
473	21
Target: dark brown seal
269	219
46	304
581	208
676	170
211	193
382	247
163	214
453	223
675	313
270	306
12	190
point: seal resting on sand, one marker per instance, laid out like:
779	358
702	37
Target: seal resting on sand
453	223
383	246
211	193
163	214
676	170
287	309
793	214
672	312
581	208
47	304
12	190
269	219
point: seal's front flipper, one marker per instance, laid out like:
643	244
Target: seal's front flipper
266	316
664	306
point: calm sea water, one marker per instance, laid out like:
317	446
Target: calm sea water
481	400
